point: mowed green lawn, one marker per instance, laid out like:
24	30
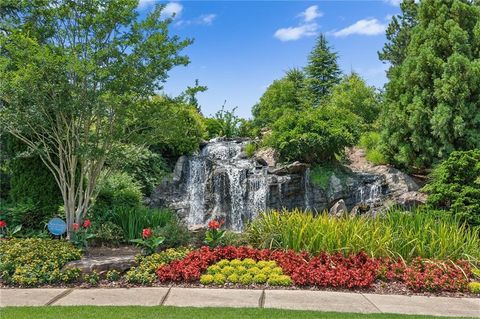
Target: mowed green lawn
90	312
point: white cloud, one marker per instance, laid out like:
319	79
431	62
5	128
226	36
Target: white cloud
172	8
146	3
311	13
295	33
207	18
362	27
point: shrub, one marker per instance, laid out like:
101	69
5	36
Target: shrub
454	185
474	287
34	262
175	232
144	273
92	278
219	279
261	278
279	280
113	275
206	279
313	136
320	174
371	143
250	149
409	235
107	233
234	278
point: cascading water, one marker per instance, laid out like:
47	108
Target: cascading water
370	193
239	186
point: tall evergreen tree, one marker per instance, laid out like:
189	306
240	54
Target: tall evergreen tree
322	70
433	97
398	34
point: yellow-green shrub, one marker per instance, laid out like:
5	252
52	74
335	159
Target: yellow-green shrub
144	273
113	275
34	261
245	272
474	287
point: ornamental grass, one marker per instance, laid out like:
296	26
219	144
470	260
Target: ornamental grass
396	234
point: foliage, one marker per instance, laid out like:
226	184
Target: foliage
433	97
321	174
144	273
409	235
323	72
223	124
371	143
81	235
284	95
107	233
313	136
172	128
236	270
399	32
24	214
213	235
112	275
115	190
354	95
250	149
427	274
474	287
324	271
231	238
72	77
8	232
92	278
150	241
191	92
455	185
133	220
175	232
147	168
30	183
33	262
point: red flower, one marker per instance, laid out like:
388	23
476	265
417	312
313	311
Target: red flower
213	224
147	232
75	226
3	223
87	223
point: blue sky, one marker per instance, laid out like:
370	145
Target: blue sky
241	47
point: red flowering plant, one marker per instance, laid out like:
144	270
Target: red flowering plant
5	232
81	235
213	235
150	241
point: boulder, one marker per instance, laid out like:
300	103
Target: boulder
102	264
338	209
266	156
412	199
294	168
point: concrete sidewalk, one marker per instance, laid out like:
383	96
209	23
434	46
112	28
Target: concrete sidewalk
285	299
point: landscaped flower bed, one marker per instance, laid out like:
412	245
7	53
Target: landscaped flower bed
326	270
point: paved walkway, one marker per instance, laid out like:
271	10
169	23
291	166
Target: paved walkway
285	299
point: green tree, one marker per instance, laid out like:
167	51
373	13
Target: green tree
72	75
455	185
398	34
191	94
322	70
433	97
314	135
286	94
354	95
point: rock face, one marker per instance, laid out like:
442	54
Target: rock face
221	182
338	209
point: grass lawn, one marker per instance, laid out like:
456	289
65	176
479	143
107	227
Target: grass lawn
90	312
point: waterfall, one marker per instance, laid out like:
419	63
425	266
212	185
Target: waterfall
240	187
306	186
369	193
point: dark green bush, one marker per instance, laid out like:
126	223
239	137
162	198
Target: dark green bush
117	190
313	136
175	232
454	185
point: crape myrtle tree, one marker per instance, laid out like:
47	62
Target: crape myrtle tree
72	74
433	96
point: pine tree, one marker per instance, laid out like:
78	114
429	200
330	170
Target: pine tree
322	70
433	97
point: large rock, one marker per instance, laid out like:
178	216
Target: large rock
338	209
102	264
266	156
